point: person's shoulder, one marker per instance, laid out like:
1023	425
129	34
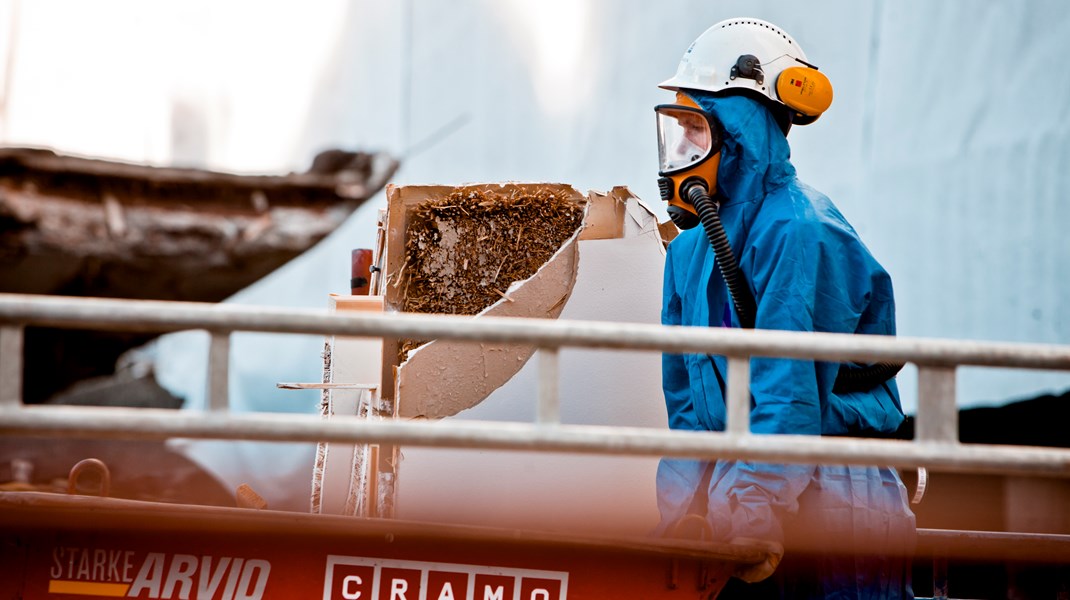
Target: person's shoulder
812	209
791	206
799	212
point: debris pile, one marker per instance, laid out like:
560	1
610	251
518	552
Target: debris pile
464	250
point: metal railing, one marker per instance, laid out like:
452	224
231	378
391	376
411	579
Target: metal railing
935	445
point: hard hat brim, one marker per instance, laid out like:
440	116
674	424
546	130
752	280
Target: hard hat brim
673	84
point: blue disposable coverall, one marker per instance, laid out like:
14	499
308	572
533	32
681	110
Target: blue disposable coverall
808	271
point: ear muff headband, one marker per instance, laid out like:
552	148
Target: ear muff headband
803	89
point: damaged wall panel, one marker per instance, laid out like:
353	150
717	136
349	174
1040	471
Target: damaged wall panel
505	250
621	258
608	270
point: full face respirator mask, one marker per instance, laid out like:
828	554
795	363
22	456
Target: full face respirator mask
689	153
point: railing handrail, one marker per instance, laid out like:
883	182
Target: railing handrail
936	440
165	316
150	424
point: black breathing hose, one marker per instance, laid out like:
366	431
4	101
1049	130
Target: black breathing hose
709	216
850	377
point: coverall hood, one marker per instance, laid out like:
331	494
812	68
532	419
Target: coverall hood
755	156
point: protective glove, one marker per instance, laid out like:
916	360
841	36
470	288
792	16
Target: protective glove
757	572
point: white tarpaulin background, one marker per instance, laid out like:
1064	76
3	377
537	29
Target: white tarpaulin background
947	144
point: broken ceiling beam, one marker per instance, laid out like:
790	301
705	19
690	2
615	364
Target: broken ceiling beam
80	226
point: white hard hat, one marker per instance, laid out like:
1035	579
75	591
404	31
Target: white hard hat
744	54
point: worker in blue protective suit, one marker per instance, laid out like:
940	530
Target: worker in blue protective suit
773	253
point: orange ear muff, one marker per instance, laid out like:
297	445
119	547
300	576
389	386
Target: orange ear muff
804	90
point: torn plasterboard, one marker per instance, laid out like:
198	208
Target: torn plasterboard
618	280
443	377
619	214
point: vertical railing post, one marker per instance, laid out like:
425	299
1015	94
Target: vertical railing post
549	407
218	371
940	577
11	365
938	417
738	410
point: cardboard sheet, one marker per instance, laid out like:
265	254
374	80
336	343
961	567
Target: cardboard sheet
618	280
444	377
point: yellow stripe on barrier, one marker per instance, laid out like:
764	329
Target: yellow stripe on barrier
88	588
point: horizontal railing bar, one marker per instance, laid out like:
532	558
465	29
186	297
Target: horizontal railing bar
148	315
326	386
127	423
994	545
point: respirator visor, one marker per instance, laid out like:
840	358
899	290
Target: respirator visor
685	138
